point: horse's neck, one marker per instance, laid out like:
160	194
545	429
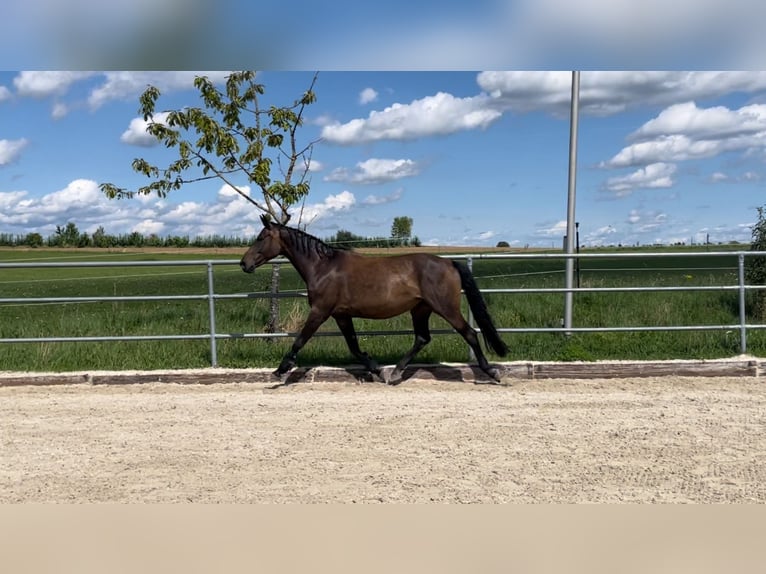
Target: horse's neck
305	264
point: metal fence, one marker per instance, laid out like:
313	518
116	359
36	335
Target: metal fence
211	296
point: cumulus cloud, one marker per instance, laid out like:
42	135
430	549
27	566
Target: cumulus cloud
686	132
714	123
5	93
43	84
136	133
607	93
10	150
129	85
227	193
375	171
439	114
367	96
310	213
653	176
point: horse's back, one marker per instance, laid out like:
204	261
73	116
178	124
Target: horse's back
386	286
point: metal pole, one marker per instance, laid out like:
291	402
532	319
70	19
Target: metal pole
742	318
570	239
211	308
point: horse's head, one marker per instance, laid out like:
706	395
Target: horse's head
267	246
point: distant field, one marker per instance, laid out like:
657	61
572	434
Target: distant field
250	315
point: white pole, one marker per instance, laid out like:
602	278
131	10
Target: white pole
570	240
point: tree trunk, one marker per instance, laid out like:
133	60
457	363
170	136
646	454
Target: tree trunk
273	325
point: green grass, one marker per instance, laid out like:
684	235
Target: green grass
251	315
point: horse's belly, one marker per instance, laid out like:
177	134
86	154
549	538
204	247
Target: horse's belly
381	308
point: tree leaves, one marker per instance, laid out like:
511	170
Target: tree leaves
232	136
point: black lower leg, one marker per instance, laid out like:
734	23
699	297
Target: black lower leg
313	322
473	341
346	326
420	317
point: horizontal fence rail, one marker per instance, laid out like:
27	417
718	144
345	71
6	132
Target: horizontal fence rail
211	296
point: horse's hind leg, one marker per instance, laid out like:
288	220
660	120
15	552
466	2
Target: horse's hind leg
420	315
455	318
346	326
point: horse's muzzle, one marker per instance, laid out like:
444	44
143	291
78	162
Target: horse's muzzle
247	268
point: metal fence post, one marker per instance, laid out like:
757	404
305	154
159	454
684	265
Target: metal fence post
211	307
742	317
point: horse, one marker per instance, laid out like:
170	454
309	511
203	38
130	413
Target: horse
344	284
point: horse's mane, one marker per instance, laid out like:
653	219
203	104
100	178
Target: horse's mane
307	243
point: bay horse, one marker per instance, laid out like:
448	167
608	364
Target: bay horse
343	284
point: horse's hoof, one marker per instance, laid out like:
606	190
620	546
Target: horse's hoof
495	375
393	379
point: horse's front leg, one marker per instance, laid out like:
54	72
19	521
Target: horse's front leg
315	319
346	326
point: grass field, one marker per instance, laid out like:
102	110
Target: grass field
112	318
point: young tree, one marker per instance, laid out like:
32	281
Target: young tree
233	137
67	236
402	228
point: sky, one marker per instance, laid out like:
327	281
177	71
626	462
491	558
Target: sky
474	157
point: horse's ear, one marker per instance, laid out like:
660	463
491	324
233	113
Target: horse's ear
266	220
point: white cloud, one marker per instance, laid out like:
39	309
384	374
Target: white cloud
227	193
381	200
44	84
375	171
686	132
10	150
332	204
149	226
606	93
440	114
653	176
558	229
315	166
672	148
367	96
59	110
129	85
5	93
715	123
136	133
718	177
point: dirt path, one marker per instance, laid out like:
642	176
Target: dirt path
636	440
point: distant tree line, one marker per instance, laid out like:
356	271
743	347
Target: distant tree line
70	236
347	240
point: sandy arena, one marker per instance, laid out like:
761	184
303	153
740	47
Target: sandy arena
663	439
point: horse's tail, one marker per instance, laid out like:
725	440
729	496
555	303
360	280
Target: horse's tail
479	308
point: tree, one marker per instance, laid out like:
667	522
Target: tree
755	267
401	229
233	137
68	236
33	240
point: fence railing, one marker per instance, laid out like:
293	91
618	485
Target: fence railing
211	296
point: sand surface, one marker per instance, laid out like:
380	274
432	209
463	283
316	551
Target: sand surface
664	439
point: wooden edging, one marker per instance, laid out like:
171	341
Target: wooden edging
744	367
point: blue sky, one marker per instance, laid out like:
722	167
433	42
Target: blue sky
473	157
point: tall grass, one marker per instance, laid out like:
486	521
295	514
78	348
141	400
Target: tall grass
237	316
